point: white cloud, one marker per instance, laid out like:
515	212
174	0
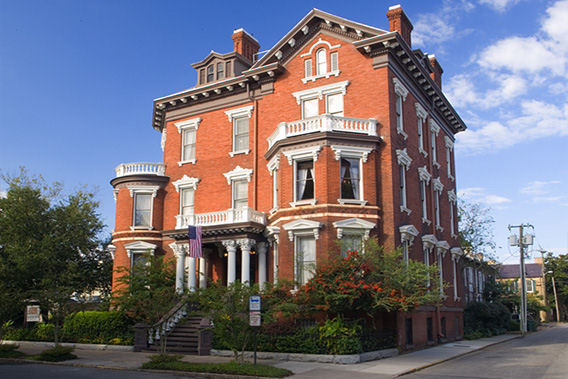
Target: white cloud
438	27
479	194
499	5
461	91
538	187
555	25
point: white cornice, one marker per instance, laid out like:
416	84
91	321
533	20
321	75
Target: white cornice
319	92
434	127
351	152
320	42
353	225
423	174
403	158
273	164
238	173
429	240
143	189
437	184
186	182
452	196
449	142
303	152
407	233
239	112
420	111
302	226
188	124
139	247
399	88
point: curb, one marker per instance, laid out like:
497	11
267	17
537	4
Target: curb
80	346
415	369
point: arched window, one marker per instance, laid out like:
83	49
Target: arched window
321	61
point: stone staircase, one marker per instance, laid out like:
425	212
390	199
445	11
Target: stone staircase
184	338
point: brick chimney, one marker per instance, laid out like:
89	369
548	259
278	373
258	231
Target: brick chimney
245	44
398	21
436	75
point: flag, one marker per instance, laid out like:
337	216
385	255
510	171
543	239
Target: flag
194	234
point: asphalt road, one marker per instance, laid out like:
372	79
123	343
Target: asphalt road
538	355
32	371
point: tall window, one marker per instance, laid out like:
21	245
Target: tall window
441	272
402	172
399	124
437	207
427	263
405	252
220	71
305	258
420	135
350	178
202	76
531	285
188	147
241	134
351	242
452	220
423	200
275	189
142	210
228	69
304	180
240	194
433	142
334	104
307	68
334	61
187	201
449	149
321	61
210	73
310	108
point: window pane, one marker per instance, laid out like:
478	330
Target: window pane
241	125
202	76
240	194
308	68
304	180
188	144
351	242
335	104
228	69
321	61
220	72
142	209
310	108
210	73
305	258
349	178
241	143
334	63
241	134
187	201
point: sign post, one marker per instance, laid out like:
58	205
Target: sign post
254	317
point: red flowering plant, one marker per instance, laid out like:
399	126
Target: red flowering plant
371	281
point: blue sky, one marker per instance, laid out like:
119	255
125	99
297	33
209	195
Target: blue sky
77	80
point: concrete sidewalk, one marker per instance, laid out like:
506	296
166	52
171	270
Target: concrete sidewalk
385	368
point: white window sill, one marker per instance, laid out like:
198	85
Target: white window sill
457	298
426	221
303	202
352	201
133	228
273	210
402	133
438	227
404	209
326	75
436	164
184	162
423	152
451	177
233	153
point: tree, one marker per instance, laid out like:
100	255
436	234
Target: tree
49	246
476	228
559	267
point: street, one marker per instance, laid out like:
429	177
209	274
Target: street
539	355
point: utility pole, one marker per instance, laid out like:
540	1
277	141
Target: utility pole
521	243
555	297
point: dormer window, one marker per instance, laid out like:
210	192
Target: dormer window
220	71
210	73
321	62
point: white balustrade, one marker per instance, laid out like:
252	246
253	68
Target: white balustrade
125	169
229	216
323	123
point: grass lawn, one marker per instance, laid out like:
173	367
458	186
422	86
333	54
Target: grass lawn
231	368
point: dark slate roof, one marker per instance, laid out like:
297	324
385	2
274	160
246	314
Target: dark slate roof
533	270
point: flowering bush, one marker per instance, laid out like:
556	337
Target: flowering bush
369	282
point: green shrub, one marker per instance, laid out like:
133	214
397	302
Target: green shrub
10	351
56	354
40	332
229	368
481	315
514	326
340	338
98	327
165	358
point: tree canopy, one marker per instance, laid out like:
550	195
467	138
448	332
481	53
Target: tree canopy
476	227
559	267
50	249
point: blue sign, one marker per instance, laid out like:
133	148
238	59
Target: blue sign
254	303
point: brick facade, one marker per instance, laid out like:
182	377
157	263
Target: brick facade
352	70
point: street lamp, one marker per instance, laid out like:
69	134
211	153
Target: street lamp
555	297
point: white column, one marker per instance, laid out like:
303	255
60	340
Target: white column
246	245
191	279
180	263
202	273
261	248
231	247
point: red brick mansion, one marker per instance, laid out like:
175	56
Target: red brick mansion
340	132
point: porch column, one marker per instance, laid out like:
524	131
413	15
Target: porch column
191	280
261	248
180	263
202	273
246	245
231	247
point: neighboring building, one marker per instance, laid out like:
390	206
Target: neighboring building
535	283
476	274
339	132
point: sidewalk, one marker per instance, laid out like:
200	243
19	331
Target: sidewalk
386	368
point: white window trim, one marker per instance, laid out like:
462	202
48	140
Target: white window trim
404	160
302	154
273	167
453	202
181	126
319	92
407	235
134	190
238	173
449	149
434	130
184	183
138	247
233	114
361	153
421	115
327	74
354	226
456	253
233	182
313	201
302	108
327	95
400	92
302	227
438	188
429	242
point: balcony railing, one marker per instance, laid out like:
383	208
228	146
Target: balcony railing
125	169
229	216
323	123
